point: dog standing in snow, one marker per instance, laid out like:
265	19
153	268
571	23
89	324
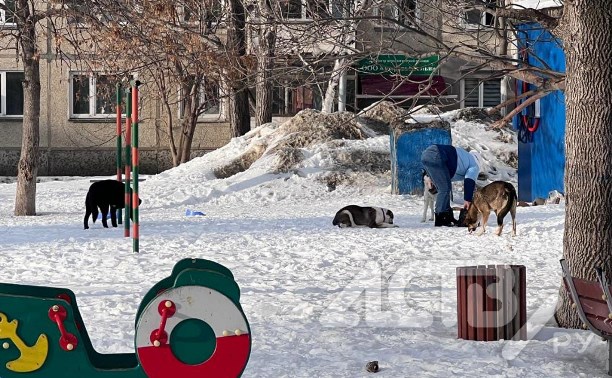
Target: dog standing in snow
499	196
429	196
108	195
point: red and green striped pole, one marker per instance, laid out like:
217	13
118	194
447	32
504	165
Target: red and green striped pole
119	143
135	166
128	148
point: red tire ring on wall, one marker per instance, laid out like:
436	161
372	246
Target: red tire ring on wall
531	127
232	340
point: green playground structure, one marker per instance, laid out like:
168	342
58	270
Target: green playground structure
188	325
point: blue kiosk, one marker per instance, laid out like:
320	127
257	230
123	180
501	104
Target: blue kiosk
541	126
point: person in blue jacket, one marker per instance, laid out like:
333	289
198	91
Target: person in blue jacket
444	164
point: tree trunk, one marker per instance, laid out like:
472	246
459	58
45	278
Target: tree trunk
332	86
263	93
171	142
239	115
190	117
265	64
189	126
587	241
163	90
238	112
27	170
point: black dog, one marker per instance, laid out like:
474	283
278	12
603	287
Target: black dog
104	195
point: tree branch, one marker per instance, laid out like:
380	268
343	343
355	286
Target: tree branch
511	101
502	122
546	79
548	17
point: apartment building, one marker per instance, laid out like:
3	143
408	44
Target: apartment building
77	120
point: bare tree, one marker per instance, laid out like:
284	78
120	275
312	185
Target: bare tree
265	63
587	83
588	142
179	46
27	16
331	40
239	112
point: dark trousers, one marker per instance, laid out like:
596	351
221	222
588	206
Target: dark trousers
436	168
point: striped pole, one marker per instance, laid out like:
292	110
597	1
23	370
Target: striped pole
135	166
128	148
119	144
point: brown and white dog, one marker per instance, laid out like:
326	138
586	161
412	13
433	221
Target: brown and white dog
429	196
499	196
363	216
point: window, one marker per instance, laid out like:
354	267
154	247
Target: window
7	16
92	95
208	13
304	9
77	13
282	101
75	16
12	94
209	101
342	8
404	12
481	93
288	101
475	18
291	9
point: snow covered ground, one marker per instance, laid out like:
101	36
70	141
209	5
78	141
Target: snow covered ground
321	301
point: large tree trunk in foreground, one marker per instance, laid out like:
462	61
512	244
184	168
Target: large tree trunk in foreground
587	242
27	170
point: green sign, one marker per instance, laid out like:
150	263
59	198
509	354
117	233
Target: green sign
399	64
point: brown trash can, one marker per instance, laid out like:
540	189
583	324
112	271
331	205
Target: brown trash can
491	302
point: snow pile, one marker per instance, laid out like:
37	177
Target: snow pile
337	151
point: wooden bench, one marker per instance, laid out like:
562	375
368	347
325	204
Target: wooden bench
593	302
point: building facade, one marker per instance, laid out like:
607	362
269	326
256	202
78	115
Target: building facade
77	120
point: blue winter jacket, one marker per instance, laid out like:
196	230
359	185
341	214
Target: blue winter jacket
461	166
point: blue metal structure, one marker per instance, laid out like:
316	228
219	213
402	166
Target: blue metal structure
541	127
407	145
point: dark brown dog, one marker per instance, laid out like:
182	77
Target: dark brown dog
499	196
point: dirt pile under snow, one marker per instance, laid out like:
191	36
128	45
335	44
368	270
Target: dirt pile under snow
477	115
336	144
241	163
311	127
286	143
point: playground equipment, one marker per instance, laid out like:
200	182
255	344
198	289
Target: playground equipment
131	158
188	325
